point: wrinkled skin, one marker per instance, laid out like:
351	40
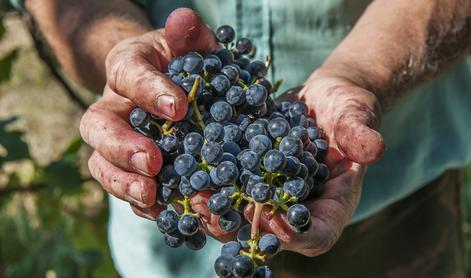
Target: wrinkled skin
125	162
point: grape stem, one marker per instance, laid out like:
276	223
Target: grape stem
254	232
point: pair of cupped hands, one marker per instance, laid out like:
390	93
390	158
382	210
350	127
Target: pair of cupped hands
126	163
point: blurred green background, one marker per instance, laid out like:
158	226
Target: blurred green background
53	216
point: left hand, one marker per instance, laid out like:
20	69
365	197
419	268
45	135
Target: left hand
347	113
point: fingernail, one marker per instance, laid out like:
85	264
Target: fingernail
166	105
140	162
135	192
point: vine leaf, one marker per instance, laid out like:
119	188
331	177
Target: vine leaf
12	142
6	63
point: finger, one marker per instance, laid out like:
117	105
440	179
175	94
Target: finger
108	133
185	31
149	213
355	135
136	189
133	70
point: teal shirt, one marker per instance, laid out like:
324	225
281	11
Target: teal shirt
427	131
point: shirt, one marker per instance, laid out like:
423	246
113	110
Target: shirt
426	132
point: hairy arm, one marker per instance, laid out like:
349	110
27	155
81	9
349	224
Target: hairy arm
397	44
81	33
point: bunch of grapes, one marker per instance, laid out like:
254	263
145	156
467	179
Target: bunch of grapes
236	143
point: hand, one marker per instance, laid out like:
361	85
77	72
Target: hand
347	113
125	162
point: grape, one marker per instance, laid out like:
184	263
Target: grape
165	195
295	187
231	72
304	172
256	95
211	152
193	63
138	117
167	221
243	62
292	166
170	143
176	65
219	204
188	225
225	56
314	133
231	249
200	180
227	172
221	111
244	46
214	132
220	84
232	133
253	130
291	145
227	191
257	69
212	64
185	165
225	34
223	266
261	192
269	244
243	236
185	187
242	266
195	241
310	162
168	177
262	272
245	76
249	159
230	221
300	132
260	144
232	148
274	161
228	157
322	174
298	216
192	143
278	127
235	95
322	149
174	239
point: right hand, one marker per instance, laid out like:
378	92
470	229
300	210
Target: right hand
125	162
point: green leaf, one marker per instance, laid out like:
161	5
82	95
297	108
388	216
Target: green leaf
13	142
6	64
64	175
2	26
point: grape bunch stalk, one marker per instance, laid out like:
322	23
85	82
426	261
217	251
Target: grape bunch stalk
237	144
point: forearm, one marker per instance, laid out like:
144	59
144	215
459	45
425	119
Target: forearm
397	44
81	33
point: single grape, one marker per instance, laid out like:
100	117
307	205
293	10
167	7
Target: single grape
269	244
304	172
185	165
229	157
254	129
274	161
242	266
295	187
245	76
227	172
193	63
256	95
300	132
230	221
167	221
185	187
138	117
298	120
257	69
263	272
188	224
176	65
243	62
278	127
231	249
298	108
212	64
235	95
221	111
322	174
291	145
261	192
170	143
196	241
244	46
174	239
225	55
215	181
322	149
310	147
231	72
228	191
232	133
168	177
214	132
220	84
165	195
232	148
211	152
219	204
200	180
292	166
249	159
192	143
260	144
225	34
243	236
298	216
314	133
310	162
223	266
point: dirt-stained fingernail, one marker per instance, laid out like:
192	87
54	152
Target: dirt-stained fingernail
166	105
140	162
134	192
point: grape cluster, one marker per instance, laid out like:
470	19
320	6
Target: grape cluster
238	144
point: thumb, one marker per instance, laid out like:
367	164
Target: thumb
356	138
185	31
